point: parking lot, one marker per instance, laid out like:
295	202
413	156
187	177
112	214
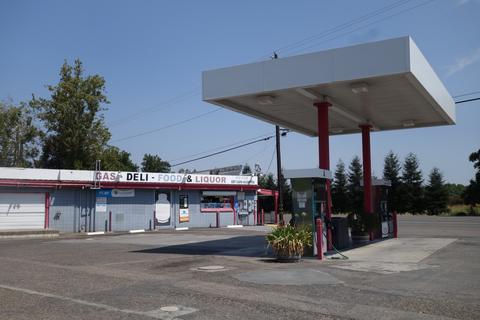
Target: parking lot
431	272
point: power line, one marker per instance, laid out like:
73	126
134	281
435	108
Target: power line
466	94
220	147
162	106
223	151
271	160
166	127
364	26
292	46
343	26
468	100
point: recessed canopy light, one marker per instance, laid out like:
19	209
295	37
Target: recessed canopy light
408	123
359	87
336	130
265	100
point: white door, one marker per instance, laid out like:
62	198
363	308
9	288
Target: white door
22	211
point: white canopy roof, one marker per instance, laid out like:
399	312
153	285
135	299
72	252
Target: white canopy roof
388	84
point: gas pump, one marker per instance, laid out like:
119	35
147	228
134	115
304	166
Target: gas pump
310	200
380	193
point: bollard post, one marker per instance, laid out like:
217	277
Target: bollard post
154	219
218	219
319	237
395	225
110	221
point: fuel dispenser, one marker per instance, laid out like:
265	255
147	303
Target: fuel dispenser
310	200
380	194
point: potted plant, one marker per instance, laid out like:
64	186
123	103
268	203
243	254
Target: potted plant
361	226
289	242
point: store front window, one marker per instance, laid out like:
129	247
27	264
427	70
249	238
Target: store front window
216	202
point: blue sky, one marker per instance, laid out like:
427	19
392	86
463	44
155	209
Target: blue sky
151	52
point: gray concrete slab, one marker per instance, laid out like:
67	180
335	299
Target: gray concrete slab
135	276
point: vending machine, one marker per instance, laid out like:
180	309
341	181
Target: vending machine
310	200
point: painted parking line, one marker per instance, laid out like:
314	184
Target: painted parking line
166	312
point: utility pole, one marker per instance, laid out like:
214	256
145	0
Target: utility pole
279	166
279	176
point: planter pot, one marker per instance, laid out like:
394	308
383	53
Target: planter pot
360	238
294	258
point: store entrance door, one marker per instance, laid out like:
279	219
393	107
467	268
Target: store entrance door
163	209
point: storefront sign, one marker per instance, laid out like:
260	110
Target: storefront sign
184	215
101	204
116	193
175	178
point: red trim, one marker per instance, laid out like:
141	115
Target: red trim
267	192
125	185
47	210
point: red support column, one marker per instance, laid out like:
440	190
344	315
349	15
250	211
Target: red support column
324	157
367	171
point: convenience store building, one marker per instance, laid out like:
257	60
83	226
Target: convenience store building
90	201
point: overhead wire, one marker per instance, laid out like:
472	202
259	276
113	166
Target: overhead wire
219	147
362	27
466	94
162	106
342	26
223	151
167	126
299	43
467	100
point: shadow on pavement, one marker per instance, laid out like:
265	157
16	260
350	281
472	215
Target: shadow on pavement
242	246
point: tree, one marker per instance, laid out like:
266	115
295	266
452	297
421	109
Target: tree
436	195
75	131
246	169
19	137
267	182
391	172
339	189
355	192
455	192
114	159
411	190
153	163
471	195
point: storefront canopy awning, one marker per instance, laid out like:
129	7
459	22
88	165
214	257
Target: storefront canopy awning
388	84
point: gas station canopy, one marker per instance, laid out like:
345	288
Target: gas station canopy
388	84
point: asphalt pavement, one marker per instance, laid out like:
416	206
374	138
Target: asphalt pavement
431	272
